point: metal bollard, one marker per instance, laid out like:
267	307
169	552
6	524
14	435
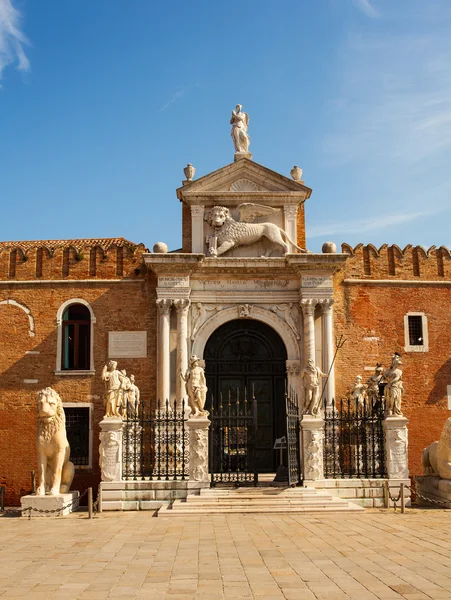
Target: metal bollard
33	482
386	495
2	498
90	502
403	504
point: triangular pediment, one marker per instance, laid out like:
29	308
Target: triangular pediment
243	177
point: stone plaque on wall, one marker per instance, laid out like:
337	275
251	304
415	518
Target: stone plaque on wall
127	344
173	281
316	281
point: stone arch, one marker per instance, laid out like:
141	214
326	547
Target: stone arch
260	314
27	311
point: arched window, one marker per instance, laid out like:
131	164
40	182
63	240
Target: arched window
75	321
76	338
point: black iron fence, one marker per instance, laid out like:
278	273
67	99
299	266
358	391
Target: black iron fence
354	443
155	443
233	433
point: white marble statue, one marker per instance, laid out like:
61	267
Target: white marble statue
311	376
357	392
55	471
196	387
124	392
436	458
133	398
112	379
232	234
393	389
240	123
373	383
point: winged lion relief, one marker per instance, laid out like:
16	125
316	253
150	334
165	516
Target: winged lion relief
231	233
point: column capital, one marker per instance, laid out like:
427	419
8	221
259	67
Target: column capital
197	210
182	305
164	305
308	306
326	305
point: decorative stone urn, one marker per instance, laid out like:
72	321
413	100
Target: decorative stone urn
296	173
189	171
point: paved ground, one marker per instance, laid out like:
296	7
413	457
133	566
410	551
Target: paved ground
377	555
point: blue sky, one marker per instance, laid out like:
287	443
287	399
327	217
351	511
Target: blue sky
103	102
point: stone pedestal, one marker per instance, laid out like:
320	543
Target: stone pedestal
312	444
60	505
198	448
436	491
397	465
110	449
240	155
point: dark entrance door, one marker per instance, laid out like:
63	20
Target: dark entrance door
250	357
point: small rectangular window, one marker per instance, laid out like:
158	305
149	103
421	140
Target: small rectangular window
416	330
78	428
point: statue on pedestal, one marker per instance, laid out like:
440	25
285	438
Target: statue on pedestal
357	392
196	387
124	392
133	398
113	380
393	389
55	470
373	383
240	123
311	381
436	458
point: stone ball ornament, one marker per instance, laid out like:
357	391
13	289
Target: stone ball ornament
329	248
160	248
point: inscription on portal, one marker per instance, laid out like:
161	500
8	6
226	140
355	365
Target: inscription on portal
127	344
245	284
173	282
316	281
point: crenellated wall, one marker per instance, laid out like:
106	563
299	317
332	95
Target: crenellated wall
111	258
390	262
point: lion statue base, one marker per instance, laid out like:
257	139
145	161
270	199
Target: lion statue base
436	458
55	471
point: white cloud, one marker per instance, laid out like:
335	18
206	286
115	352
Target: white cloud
366	7
12	39
370	224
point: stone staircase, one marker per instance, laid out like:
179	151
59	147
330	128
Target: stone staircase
257	500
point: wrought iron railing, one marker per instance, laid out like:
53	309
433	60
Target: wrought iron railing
155	443
354	443
233	434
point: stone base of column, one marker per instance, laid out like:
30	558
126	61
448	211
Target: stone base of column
312	445
396	440
198	448
110	449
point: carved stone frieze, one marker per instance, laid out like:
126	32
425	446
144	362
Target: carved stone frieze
313	442
110	449
290	313
245	311
198	449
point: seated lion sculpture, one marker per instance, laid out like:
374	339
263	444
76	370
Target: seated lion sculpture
55	470
232	234
436	458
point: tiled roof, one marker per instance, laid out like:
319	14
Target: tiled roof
78	245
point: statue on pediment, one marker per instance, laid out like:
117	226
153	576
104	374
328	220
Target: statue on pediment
240	123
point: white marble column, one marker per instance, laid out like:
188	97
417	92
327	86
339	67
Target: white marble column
327	328
290	212
197	228
164	381
182	307
308	309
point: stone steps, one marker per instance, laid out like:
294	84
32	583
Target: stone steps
257	501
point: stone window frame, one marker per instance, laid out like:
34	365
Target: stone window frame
59	341
90	407
424	347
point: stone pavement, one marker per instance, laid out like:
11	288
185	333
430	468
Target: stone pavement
373	555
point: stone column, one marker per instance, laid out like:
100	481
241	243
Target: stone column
182	307
198	448
164	382
308	309
312	444
328	348
396	444
197	228
290	212
110	449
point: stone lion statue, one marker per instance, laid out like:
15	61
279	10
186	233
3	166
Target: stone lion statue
436	458
55	470
231	233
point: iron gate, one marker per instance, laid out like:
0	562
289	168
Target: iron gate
293	439
233	434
